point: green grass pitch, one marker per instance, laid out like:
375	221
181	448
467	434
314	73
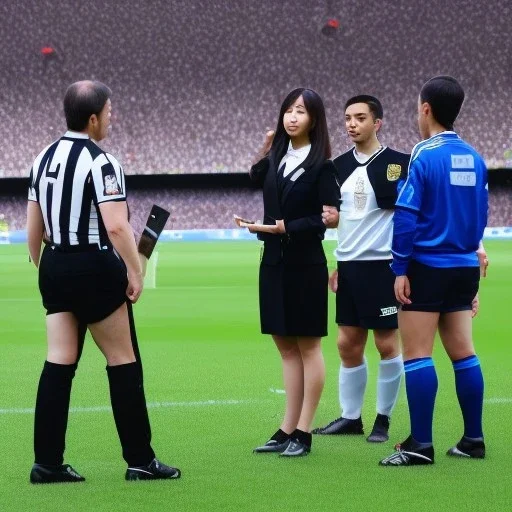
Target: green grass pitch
211	381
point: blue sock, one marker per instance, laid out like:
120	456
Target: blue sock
421	386
469	384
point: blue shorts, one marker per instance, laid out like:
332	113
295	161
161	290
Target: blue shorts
441	290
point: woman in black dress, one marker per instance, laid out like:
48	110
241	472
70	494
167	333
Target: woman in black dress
298	184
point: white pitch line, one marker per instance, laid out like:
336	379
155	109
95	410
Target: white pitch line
198	403
150	405
498	400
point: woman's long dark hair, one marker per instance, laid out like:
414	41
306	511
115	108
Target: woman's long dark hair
318	133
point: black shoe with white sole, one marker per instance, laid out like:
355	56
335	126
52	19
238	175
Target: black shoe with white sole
468	448
155	470
341	427
44	474
409	453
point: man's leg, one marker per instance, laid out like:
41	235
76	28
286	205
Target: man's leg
417	330
391	369
82	331
353	376
113	337
455	330
52	404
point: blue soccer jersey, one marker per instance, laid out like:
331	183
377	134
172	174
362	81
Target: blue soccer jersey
441	211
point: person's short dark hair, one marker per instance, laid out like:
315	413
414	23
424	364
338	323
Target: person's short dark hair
373	103
445	96
82	100
318	133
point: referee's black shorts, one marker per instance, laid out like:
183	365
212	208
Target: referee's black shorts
366	296
91	285
441	290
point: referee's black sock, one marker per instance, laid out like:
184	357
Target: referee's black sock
130	413
51	416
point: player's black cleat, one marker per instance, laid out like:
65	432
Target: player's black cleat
380	429
341	427
468	448
273	446
409	453
155	470
43	474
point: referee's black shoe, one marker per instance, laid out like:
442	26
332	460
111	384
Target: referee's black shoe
468	448
410	453
341	427
380	429
155	470
44	474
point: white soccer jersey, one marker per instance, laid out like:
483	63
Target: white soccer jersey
368	192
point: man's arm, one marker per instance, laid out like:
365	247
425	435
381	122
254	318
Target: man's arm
35	231
120	233
405	220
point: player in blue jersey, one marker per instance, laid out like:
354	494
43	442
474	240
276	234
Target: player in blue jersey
440	216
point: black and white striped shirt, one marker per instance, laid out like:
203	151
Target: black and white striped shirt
69	179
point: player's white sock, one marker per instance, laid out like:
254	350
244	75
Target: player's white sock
388	384
352	385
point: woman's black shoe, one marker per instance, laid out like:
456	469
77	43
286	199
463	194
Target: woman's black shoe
296	449
273	446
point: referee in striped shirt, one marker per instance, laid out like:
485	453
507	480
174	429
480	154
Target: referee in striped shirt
77	205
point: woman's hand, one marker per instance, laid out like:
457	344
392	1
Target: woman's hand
267	144
275	229
269	138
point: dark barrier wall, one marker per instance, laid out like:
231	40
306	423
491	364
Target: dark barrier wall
18	186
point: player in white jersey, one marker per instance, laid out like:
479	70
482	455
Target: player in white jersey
368	175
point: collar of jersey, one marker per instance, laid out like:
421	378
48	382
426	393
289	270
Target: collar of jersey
70	134
368	157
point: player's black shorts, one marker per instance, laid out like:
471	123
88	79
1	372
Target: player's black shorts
91	285
442	290
366	296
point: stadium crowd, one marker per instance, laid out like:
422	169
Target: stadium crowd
214	208
195	82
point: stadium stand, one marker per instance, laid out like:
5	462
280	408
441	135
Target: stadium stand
214	208
197	83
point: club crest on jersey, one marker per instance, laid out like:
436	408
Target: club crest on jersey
393	172
111	186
